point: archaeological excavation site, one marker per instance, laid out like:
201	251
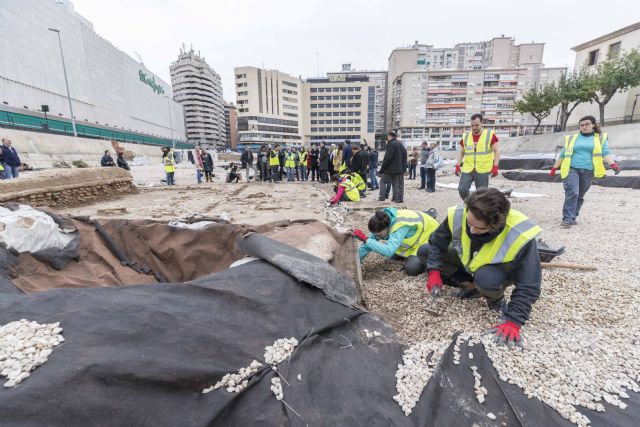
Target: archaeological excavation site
128	302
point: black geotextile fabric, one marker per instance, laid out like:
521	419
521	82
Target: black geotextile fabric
631	165
527	164
608	181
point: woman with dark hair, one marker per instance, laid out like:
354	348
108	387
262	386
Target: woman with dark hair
398	234
484	246
581	160
107	160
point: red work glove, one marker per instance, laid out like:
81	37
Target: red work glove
434	283
615	167
553	172
359	235
507	333
457	170
494	171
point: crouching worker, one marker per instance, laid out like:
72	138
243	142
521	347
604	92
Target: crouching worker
402	232
488	246
346	189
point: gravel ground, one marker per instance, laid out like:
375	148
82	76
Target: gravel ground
582	341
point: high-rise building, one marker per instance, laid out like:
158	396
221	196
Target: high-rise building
113	96
623	107
499	52
436	106
339	108
197	87
231	125
379	79
269	107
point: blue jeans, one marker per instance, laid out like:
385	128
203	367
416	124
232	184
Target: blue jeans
290	174
303	173
374	178
423	177
11	171
575	185
199	176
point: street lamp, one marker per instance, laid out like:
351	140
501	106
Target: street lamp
66	81
173	143
633	109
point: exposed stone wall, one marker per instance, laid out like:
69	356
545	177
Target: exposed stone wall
68	187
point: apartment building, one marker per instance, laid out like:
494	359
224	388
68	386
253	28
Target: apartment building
379	79
623	107
269	107
499	52
197	87
339	108
436	106
231	125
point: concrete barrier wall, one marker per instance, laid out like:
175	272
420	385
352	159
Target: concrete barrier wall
40	150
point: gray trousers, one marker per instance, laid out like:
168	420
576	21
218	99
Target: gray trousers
480	179
246	173
395	182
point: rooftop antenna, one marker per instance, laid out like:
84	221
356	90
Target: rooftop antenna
139	57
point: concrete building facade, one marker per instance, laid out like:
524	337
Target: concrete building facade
499	52
339	108
269	106
197	87
111	93
379	79
622	106
231	125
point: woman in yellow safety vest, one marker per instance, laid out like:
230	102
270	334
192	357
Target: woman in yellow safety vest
274	163
290	163
357	181
582	159
169	165
337	159
402	232
304	156
346	189
485	246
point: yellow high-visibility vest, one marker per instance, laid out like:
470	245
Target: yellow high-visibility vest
357	180
290	161
350	189
478	156
424	225
273	158
598	162
169	162
518	231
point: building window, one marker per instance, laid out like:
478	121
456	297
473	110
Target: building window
593	57
243	93
314	89
614	50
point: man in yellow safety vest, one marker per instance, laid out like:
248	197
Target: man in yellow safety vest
478	156
485	246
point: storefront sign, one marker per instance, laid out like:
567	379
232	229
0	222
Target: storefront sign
151	81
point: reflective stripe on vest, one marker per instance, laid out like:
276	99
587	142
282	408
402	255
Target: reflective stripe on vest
290	161
598	163
356	179
424	225
350	188
478	156
503	249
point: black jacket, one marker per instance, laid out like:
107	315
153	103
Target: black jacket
360	162
107	161
122	163
395	158
314	157
373	159
524	270
246	158
323	159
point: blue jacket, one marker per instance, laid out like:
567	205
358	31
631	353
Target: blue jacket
10	156
393	241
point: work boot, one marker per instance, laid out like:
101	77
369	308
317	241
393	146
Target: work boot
565	223
498	305
465	294
574	222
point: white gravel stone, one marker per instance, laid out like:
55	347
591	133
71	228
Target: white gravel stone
24	346
235	383
276	388
281	349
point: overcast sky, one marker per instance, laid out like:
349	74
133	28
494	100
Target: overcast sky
286	34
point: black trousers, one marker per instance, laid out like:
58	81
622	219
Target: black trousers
491	280
324	178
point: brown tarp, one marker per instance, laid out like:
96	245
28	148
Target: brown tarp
158	252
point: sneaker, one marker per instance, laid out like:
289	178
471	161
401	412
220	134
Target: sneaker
499	305
565	223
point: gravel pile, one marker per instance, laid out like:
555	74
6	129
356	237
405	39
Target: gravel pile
24	346
582	343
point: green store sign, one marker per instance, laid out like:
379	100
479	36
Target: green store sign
151	81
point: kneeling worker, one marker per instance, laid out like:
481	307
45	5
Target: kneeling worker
346	189
403	230
494	246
